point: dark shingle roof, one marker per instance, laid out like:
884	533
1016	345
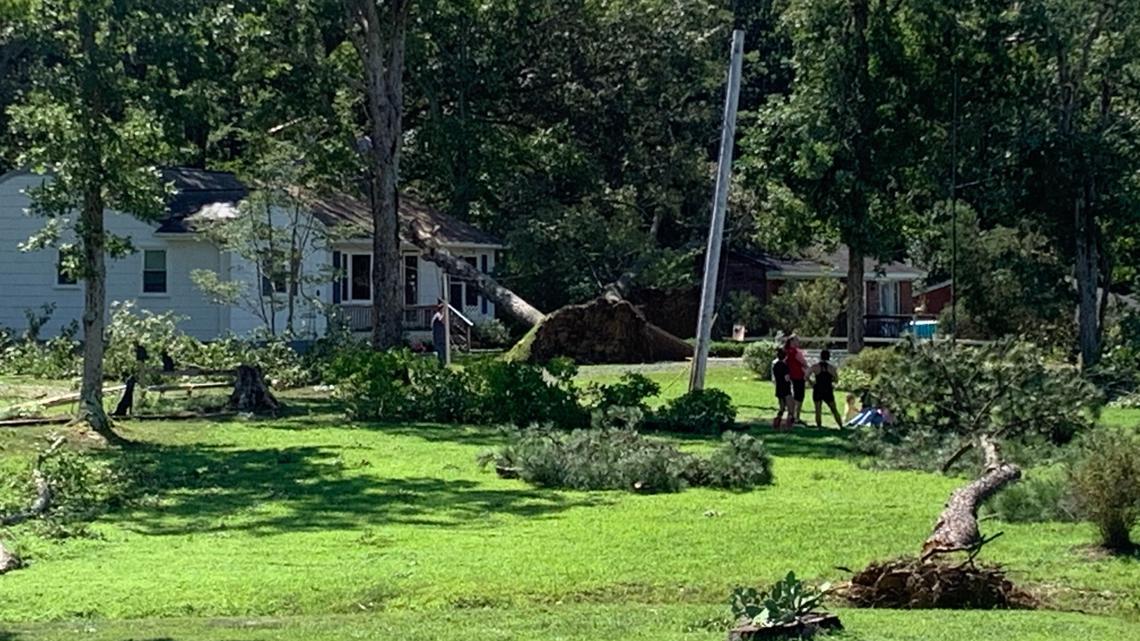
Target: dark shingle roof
336	210
819	263
202	195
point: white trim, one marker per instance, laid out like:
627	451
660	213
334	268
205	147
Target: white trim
930	288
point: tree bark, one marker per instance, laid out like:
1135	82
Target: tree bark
856	302
8	560
380	43
957	526
92	236
251	394
503	298
1087	275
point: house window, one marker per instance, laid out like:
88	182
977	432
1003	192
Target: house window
411	280
274	284
154	271
63	276
889	298
360	277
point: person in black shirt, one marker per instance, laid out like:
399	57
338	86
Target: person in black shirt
824	375
783	382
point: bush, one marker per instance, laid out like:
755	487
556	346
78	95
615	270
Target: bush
741	462
873	362
739	308
808	308
56	358
726	349
942	395
1043	495
706	411
491	333
619	459
1106	485
758	357
631	391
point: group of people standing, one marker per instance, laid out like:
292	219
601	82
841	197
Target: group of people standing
791	374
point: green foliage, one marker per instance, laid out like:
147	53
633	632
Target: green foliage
519	394
739	308
491	333
155	333
740	463
807	308
1106	485
942	394
56	358
705	411
622	459
860	371
786	601
726	349
1044	494
632	390
758	357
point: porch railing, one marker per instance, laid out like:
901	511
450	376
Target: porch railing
358	318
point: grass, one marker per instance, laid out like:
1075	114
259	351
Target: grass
311	527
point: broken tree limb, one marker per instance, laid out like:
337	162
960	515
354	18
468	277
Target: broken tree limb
62	399
502	297
957	527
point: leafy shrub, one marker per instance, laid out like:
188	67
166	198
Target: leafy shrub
707	411
519	394
155	333
1043	495
741	462
785	602
739	308
758	357
621	459
942	395
632	390
726	349
1106	484
808	308
56	358
871	362
491	333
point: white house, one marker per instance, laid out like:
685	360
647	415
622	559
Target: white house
156	277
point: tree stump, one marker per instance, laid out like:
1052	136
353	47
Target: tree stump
251	394
805	627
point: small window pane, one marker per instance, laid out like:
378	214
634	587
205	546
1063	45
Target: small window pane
154	259
411	280
154	282
361	277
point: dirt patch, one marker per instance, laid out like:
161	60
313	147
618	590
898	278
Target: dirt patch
910	584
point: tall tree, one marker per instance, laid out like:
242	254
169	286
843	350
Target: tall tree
86	121
378	29
838	148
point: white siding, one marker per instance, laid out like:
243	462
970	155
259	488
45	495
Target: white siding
30	277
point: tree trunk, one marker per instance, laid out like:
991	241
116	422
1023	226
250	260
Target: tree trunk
957	526
1087	271
251	394
91	411
379	41
856	302
502	297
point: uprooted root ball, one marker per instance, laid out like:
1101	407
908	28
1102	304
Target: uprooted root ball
909	584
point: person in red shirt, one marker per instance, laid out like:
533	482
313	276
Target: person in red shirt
797	372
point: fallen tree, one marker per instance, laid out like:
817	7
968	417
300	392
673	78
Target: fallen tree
502	297
957	527
39	506
600	331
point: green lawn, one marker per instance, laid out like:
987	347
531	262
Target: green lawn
311	527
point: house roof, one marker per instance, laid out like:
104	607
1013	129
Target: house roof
339	209
828	264
202	195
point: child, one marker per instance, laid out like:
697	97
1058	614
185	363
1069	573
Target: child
783	387
824	375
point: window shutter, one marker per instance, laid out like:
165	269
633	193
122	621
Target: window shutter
337	260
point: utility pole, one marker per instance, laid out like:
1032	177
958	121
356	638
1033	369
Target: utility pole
716	226
954	197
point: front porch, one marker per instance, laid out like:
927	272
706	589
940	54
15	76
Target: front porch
416	321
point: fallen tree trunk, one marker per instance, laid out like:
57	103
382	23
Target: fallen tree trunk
42	502
502	297
62	399
957	527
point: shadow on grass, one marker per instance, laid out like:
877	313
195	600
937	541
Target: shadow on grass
267	491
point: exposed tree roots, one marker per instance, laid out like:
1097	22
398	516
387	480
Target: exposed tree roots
251	394
914	584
